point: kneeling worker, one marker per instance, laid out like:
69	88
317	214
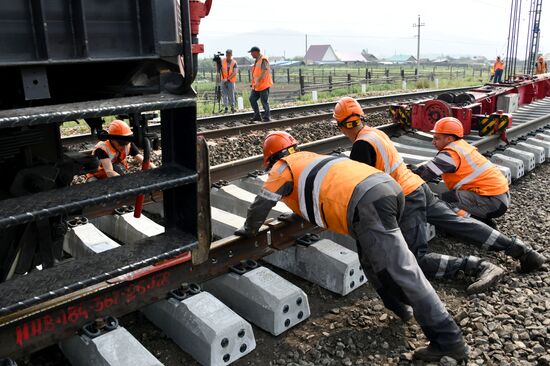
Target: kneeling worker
373	147
475	184
352	198
113	153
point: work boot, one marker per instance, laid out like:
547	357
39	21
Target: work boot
487	275
434	353
529	259
256	119
225	110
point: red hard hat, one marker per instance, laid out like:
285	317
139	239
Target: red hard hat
119	128
275	142
347	110
449	126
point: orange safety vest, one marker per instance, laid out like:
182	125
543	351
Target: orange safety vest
388	159
499	65
323	187
474	172
225	74
115	156
264	83
541	67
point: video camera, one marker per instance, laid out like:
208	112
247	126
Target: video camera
217	59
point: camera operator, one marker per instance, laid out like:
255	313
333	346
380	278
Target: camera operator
228	78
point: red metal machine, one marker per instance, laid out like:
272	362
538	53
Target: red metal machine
486	109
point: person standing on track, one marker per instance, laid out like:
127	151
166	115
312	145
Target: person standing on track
541	67
228	77
113	153
373	147
499	70
261	83
348	197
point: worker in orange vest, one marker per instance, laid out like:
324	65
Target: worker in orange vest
261	82
113	153
352	198
541	67
228	77
373	147
475	184
499	70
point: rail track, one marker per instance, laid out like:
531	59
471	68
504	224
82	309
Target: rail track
229	124
26	323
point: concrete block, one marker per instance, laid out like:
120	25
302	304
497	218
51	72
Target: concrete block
543	136
128	229
541	143
236	200
262	297
540	156
204	327
85	240
225	223
506	172
324	263
114	348
527	157
508	103
515	165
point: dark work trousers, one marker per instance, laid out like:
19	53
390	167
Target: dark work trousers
422	206
263	95
392	269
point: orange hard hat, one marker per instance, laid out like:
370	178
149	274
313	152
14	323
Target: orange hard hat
275	142
347	112
449	126
119	128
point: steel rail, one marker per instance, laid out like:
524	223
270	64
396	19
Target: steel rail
239	117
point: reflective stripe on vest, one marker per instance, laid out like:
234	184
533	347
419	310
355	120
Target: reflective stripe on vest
389	160
309	188
264	83
323	187
371	136
225	74
114	155
477	169
474	172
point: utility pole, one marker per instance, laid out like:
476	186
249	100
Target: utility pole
306	44
418	25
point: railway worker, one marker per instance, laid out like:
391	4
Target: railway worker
373	147
348	197
228	77
541	67
113	153
261	83
499	70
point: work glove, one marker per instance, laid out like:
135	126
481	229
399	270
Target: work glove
450	196
244	233
288	217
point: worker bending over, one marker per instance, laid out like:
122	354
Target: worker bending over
113	153
348	197
373	147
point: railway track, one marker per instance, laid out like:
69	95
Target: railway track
230	124
240	180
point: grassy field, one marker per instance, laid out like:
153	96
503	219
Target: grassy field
382	79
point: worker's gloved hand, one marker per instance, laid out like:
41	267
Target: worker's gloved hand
244	233
412	167
289	217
